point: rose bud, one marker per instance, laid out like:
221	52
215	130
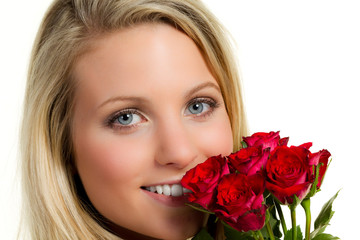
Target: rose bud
321	157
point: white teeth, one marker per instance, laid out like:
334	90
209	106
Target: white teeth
175	190
152	189
159	189
166	190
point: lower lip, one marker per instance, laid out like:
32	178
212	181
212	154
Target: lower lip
168	200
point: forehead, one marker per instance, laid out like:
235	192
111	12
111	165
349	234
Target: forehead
140	59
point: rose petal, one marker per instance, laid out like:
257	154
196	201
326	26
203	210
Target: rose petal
285	195
259	162
203	179
251	221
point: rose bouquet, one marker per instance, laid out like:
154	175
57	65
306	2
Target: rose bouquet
245	190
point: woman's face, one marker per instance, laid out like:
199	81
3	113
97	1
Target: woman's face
147	109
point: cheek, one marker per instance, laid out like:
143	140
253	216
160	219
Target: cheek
216	137
107	164
100	159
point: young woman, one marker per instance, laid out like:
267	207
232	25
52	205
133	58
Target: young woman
123	97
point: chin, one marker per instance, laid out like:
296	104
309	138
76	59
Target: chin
183	231
181	227
176	228
184	225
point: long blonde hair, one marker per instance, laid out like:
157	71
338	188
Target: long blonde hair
52	206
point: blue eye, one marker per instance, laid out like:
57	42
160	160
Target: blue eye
128	119
125	119
197	108
200	106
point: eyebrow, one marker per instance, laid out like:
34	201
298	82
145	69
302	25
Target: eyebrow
202	86
123	98
141	100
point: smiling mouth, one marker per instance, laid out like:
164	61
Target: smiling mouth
174	190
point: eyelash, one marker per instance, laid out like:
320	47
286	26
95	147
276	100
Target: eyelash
210	101
111	121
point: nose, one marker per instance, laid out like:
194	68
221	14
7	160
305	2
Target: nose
176	145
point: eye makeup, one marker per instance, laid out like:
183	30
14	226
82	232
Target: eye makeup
125	119
128	119
206	104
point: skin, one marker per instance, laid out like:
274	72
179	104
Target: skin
158	71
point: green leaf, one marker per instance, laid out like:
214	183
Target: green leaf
267	196
324	217
324	236
231	234
273	220
243	144
288	235
314	185
295	203
203	235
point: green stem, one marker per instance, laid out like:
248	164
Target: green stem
281	215
255	235
293	222
306	205
259	235
270	231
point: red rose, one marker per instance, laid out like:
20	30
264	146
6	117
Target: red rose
240	201
251	221
321	157
203	179
249	160
288	173
266	140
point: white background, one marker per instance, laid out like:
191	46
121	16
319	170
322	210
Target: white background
300	63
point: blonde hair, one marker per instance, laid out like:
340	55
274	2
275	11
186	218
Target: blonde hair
52	206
